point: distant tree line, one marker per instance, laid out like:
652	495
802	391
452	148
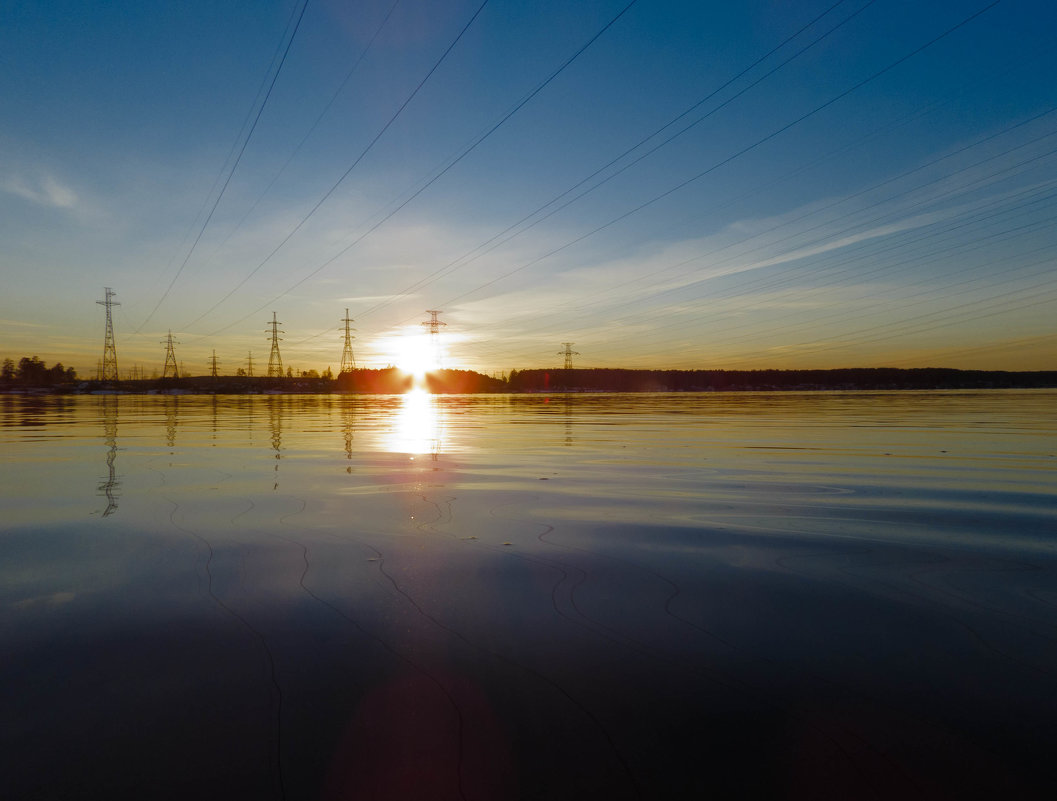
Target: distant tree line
32	372
880	378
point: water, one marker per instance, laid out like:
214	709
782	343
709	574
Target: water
646	596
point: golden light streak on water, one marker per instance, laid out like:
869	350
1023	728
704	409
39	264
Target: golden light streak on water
416	428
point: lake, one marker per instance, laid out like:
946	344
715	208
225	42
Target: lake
788	595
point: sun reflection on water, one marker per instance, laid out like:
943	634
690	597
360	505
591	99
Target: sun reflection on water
417	428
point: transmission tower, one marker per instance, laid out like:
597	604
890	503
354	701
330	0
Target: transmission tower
249	364
109	369
170	358
213	364
275	361
433	324
348	361
568	353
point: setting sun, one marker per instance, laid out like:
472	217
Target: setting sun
415	354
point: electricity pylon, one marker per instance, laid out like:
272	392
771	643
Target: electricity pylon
249	364
434	333
348	361
275	361
109	369
170	358
568	353
213	364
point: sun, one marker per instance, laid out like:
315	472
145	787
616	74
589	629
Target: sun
414	353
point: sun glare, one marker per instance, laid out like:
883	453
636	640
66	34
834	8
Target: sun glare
413	353
417	426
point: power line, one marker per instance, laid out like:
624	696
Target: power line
319	118
681	185
598	296
1035	299
769	282
344	175
1020	343
463	260
238	138
1042	193
231	172
911	262
429	183
654	273
931	108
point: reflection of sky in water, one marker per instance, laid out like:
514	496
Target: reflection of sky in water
644	563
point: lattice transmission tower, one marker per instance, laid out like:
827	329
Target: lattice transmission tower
568	353
213	364
249	364
433	324
108	371
348	361
275	361
170	358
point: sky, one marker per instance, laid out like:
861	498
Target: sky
682	184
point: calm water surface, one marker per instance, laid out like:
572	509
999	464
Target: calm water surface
597	596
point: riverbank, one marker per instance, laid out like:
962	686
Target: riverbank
393	381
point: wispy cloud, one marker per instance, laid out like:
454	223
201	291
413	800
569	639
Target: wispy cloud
367	298
44	191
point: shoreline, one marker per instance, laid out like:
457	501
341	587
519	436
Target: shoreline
392	381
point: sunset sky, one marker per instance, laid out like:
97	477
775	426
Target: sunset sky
666	184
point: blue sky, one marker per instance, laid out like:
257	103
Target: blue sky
852	187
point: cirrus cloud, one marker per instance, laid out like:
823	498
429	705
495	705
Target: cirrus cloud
43	191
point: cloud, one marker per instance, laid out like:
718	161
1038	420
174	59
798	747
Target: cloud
44	191
368	298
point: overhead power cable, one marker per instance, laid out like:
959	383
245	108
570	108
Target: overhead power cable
480	250
432	180
652	274
1020	343
845	266
769	281
344	175
551	311
231	172
965	311
238	138
319	119
728	159
1029	198
911	263
941	253
484	248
